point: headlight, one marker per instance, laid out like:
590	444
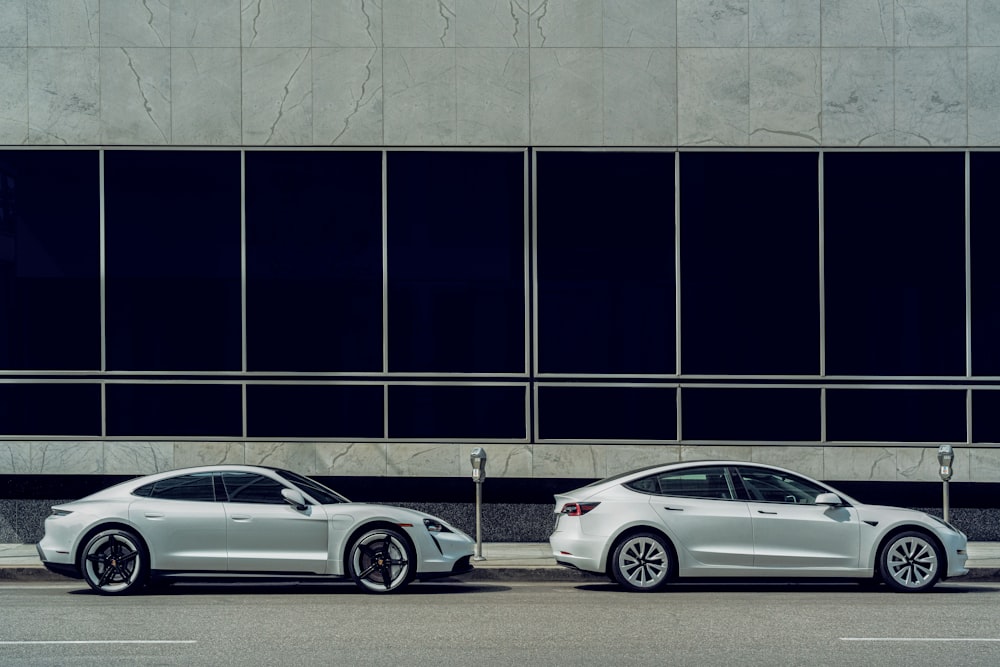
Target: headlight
58	512
435	526
944	523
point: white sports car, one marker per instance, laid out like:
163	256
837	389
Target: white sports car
244	521
737	519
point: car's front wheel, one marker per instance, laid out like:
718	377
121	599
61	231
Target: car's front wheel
114	562
642	562
910	562
381	561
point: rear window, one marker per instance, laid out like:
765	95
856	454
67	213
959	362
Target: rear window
196	486
711	483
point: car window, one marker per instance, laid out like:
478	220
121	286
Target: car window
199	486
248	487
774	486
323	495
708	482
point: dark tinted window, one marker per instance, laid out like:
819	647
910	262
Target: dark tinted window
986	416
456	251
50	294
198	486
314	411
984	269
193	410
607	413
750	263
895	415
247	487
314	261
895	263
690	483
777	487
322	494
172	234
50	409
605	277
750	414
423	411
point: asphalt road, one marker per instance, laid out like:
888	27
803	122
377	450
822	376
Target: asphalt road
502	623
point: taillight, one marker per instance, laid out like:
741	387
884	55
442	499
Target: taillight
577	509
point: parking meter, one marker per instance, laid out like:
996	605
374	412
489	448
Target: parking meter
946	455
478	461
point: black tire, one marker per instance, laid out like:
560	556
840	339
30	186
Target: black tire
381	561
642	562
115	562
910	562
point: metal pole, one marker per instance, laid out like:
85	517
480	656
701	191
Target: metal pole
945	499
479	522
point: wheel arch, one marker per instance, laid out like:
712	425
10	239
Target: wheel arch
109	525
634	530
375	524
910	528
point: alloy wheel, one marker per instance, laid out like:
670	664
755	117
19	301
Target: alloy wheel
642	563
114	562
380	561
910	563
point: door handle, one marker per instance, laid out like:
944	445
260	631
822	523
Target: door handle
674	509
240	517
154	515
763	512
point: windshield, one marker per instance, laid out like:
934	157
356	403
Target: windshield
320	493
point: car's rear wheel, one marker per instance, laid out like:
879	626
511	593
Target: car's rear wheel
115	562
642	562
910	562
381	561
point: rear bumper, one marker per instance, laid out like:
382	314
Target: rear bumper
65	569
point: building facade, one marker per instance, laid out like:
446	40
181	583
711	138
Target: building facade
358	238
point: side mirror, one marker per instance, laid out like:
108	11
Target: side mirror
294	498
831	499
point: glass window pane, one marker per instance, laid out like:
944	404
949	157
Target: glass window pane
895	415
198	486
750	263
774	487
605	279
172	231
314	411
50	409
440	411
314	261
50	293
174	410
607	413
895	263
246	487
708	483
750	414
986	416
456	251
985	269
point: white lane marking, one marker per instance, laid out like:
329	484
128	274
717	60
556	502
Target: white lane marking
102	641
918	639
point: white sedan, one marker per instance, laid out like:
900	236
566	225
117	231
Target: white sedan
736	519
244	521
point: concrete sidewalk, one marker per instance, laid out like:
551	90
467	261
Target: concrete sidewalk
504	561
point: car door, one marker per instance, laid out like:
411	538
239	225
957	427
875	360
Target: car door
266	534
699	509
791	532
183	525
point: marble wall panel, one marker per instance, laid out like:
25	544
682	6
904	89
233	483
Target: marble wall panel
13	24
347	96
984	22
64	96
419	96
640	23
716	452
640	97
205	93
984	96
806	460
347	23
567	97
491	23
984	464
922	23
188	454
277	96
492	96
713	90
858	97
859	463
417	459
135	23
920	464
13	96
718	23
418	23
501	460
66	457
574	461
210	23
355	459
15	457
930	97
138	458
285	23
623	458
785	97
64	22
138	82
857	23
782	23
554	23
299	457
